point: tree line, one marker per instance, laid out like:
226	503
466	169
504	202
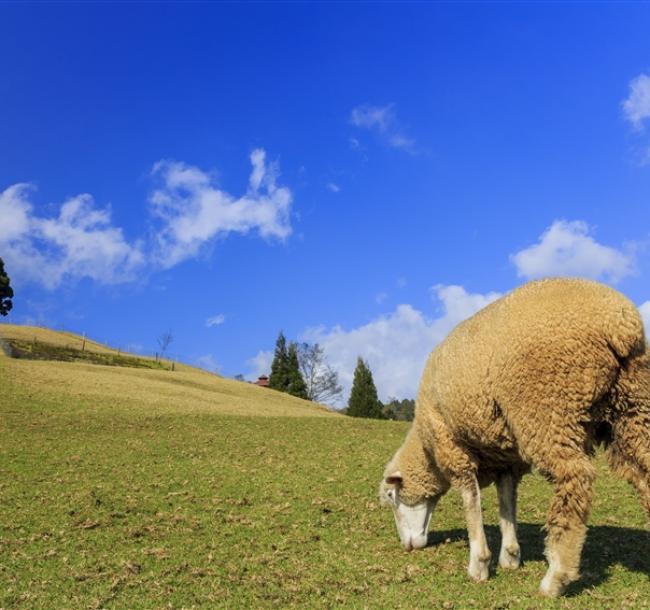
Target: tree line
302	370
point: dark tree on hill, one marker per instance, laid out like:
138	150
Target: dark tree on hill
6	292
296	384
279	378
321	380
363	397
164	341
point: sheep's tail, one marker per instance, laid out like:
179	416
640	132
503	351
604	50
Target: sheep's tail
625	333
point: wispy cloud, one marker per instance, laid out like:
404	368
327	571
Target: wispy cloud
354	143
215	320
188	210
335	188
567	248
383	122
208	362
636	107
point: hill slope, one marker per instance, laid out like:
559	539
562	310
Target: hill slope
77	385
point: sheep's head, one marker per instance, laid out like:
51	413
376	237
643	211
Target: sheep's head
412	495
411	519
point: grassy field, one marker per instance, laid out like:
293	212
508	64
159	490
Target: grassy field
129	488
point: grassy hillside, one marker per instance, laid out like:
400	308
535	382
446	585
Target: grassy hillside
79	386
127	488
45	343
54	337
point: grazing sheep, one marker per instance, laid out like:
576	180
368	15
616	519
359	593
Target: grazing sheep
537	379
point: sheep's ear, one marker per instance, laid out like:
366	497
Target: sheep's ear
395	478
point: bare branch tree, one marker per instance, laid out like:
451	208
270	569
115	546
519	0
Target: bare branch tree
321	379
164	340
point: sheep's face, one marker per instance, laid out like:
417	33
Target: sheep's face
412	520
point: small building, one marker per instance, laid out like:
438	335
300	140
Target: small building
263	381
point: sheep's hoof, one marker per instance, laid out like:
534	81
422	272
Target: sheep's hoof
479	571
510	558
551	587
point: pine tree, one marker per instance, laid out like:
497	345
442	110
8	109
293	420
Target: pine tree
296	384
363	397
278	379
6	292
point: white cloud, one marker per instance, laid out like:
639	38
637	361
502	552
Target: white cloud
335	188
215	320
567	248
396	345
260	364
636	107
382	121
80	242
380	297
194	211
208	362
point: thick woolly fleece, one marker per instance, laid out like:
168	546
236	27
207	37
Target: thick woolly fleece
536	379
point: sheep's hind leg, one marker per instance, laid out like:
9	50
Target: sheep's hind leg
479	552
629	453
566	527
510	555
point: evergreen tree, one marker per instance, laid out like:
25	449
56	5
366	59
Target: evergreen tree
296	384
363	397
279	378
6	292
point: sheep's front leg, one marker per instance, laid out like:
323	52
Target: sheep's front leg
479	552
510	555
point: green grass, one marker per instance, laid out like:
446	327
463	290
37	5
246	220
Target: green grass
104	505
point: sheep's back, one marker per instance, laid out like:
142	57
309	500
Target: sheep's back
550	329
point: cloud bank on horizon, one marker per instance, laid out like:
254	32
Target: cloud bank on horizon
187	211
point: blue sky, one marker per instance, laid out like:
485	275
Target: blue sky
362	175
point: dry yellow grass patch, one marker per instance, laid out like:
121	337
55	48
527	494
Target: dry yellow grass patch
54	337
75	385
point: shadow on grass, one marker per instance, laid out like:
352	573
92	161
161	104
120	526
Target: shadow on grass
606	546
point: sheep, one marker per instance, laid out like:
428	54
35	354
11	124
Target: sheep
537	379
